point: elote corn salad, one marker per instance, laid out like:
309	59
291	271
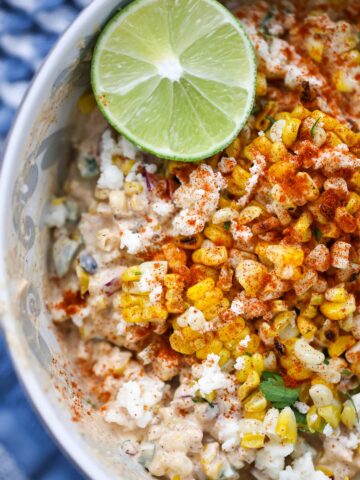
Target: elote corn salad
214	305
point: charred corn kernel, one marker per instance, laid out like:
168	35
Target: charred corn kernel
315	48
348	415
87	103
343	343
331	414
224	356
240	176
234	149
325	470
306	327
261	84
233	188
197	291
251	275
255	403
132	274
257	362
231	330
314	421
302	227
290	131
252	381
353	204
210	257
252	440
218	235
215	346
343	83
300	112
192	242
338	311
243	373
286	426
83	278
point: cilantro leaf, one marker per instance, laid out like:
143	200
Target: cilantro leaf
272	386
301	421
227	225
353	404
202	400
346	372
271	119
318	234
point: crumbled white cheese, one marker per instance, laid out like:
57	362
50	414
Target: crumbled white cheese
162	208
302	469
240	363
79	317
136	397
150	167
128	149
228	433
276	130
240	233
328	430
131	241
121	325
111	176
271	459
256	171
156	294
194	319
210	376
302	407
237	306
245	341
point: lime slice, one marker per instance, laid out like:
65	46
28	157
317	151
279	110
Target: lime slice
176	77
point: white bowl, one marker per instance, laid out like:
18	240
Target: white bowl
34	165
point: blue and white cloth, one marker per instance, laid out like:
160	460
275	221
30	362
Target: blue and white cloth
28	29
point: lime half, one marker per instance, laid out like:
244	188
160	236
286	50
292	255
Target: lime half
176	77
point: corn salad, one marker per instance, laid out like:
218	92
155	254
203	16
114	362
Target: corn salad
216	303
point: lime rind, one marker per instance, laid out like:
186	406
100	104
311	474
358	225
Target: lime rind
164	127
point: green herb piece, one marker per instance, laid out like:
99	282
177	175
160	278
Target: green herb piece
318	234
137	273
346	372
312	131
353	404
272	386
202	400
326	361
227	225
263	27
355	390
301	421
271	119
256	109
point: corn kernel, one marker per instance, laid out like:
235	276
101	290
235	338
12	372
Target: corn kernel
255	403
353	204
338	311
343	343
87	103
325	470
218	235
224	356
240	176
300	112
261	84
83	278
210	257
306	327
290	131
242	375
251	275
348	415
181	344
215	346
234	149
231	330
315	48
286	426
252	382
132	274
197	291
253	440
257	362
343	82
314	421
331	414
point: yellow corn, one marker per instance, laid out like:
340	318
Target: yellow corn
326	470
224	356
355	180
348	415
181	344
231	330
262	121
197	291
338	311
252	382
251	275
218	235
83	278
314	421
253	440
331	414
353	204
255	403
347	135
278	152
215	346
189	243
132	274
286	426
343	343
210	298
240	176
210	257
302	227
300	112
315	48
134	314
342	82
261	84
234	149
290	131
257	362
87	103
242	375
306	327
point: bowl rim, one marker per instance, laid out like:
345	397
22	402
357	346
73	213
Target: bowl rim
84	461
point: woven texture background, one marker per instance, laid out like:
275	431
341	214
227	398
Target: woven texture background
28	29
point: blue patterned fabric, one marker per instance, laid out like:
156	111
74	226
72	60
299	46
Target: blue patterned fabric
28	29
